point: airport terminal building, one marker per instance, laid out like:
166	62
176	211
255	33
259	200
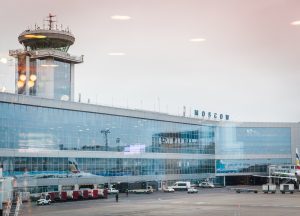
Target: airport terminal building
48	140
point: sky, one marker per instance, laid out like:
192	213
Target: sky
248	65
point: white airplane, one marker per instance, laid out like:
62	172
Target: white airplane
297	173
76	172
292	174
73	171
82	174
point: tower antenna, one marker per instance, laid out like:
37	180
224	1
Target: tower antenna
50	21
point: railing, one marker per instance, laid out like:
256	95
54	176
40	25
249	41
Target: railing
16	52
57	53
7	209
47	52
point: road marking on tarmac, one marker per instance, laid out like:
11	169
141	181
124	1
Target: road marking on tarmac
201	203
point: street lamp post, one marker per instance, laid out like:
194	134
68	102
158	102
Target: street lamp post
106	132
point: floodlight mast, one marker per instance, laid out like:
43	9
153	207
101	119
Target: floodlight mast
106	132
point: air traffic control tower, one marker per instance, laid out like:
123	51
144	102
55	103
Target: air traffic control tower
44	68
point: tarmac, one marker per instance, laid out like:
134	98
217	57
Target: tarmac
215	202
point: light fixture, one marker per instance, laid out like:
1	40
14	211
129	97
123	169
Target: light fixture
20	84
120	17
3	60
197	39
116	54
22	77
49	65
30	83
33	77
33	36
296	23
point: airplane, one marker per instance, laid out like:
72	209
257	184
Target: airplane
293	174
80	174
76	172
73	172
297	173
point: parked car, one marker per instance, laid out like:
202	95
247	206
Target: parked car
169	190
192	190
43	202
113	191
206	185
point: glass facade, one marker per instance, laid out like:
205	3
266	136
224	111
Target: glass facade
62	167
247	166
253	140
138	146
31	127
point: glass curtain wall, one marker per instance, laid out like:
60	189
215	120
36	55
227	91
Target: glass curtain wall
53	79
31	127
62	167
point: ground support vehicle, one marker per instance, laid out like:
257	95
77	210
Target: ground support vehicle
43	202
113	191
148	190
168	190
181	186
206	185
245	190
287	188
192	190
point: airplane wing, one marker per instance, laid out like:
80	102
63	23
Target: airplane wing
278	177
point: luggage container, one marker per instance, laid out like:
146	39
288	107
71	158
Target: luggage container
56	196
75	195
63	196
95	194
52	196
85	194
287	188
266	188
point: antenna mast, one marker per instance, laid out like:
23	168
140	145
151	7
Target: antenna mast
50	21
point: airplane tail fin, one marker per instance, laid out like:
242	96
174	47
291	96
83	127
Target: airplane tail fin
297	160
73	165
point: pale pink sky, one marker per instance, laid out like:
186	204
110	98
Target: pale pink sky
248	66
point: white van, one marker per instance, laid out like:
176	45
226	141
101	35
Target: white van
180	185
